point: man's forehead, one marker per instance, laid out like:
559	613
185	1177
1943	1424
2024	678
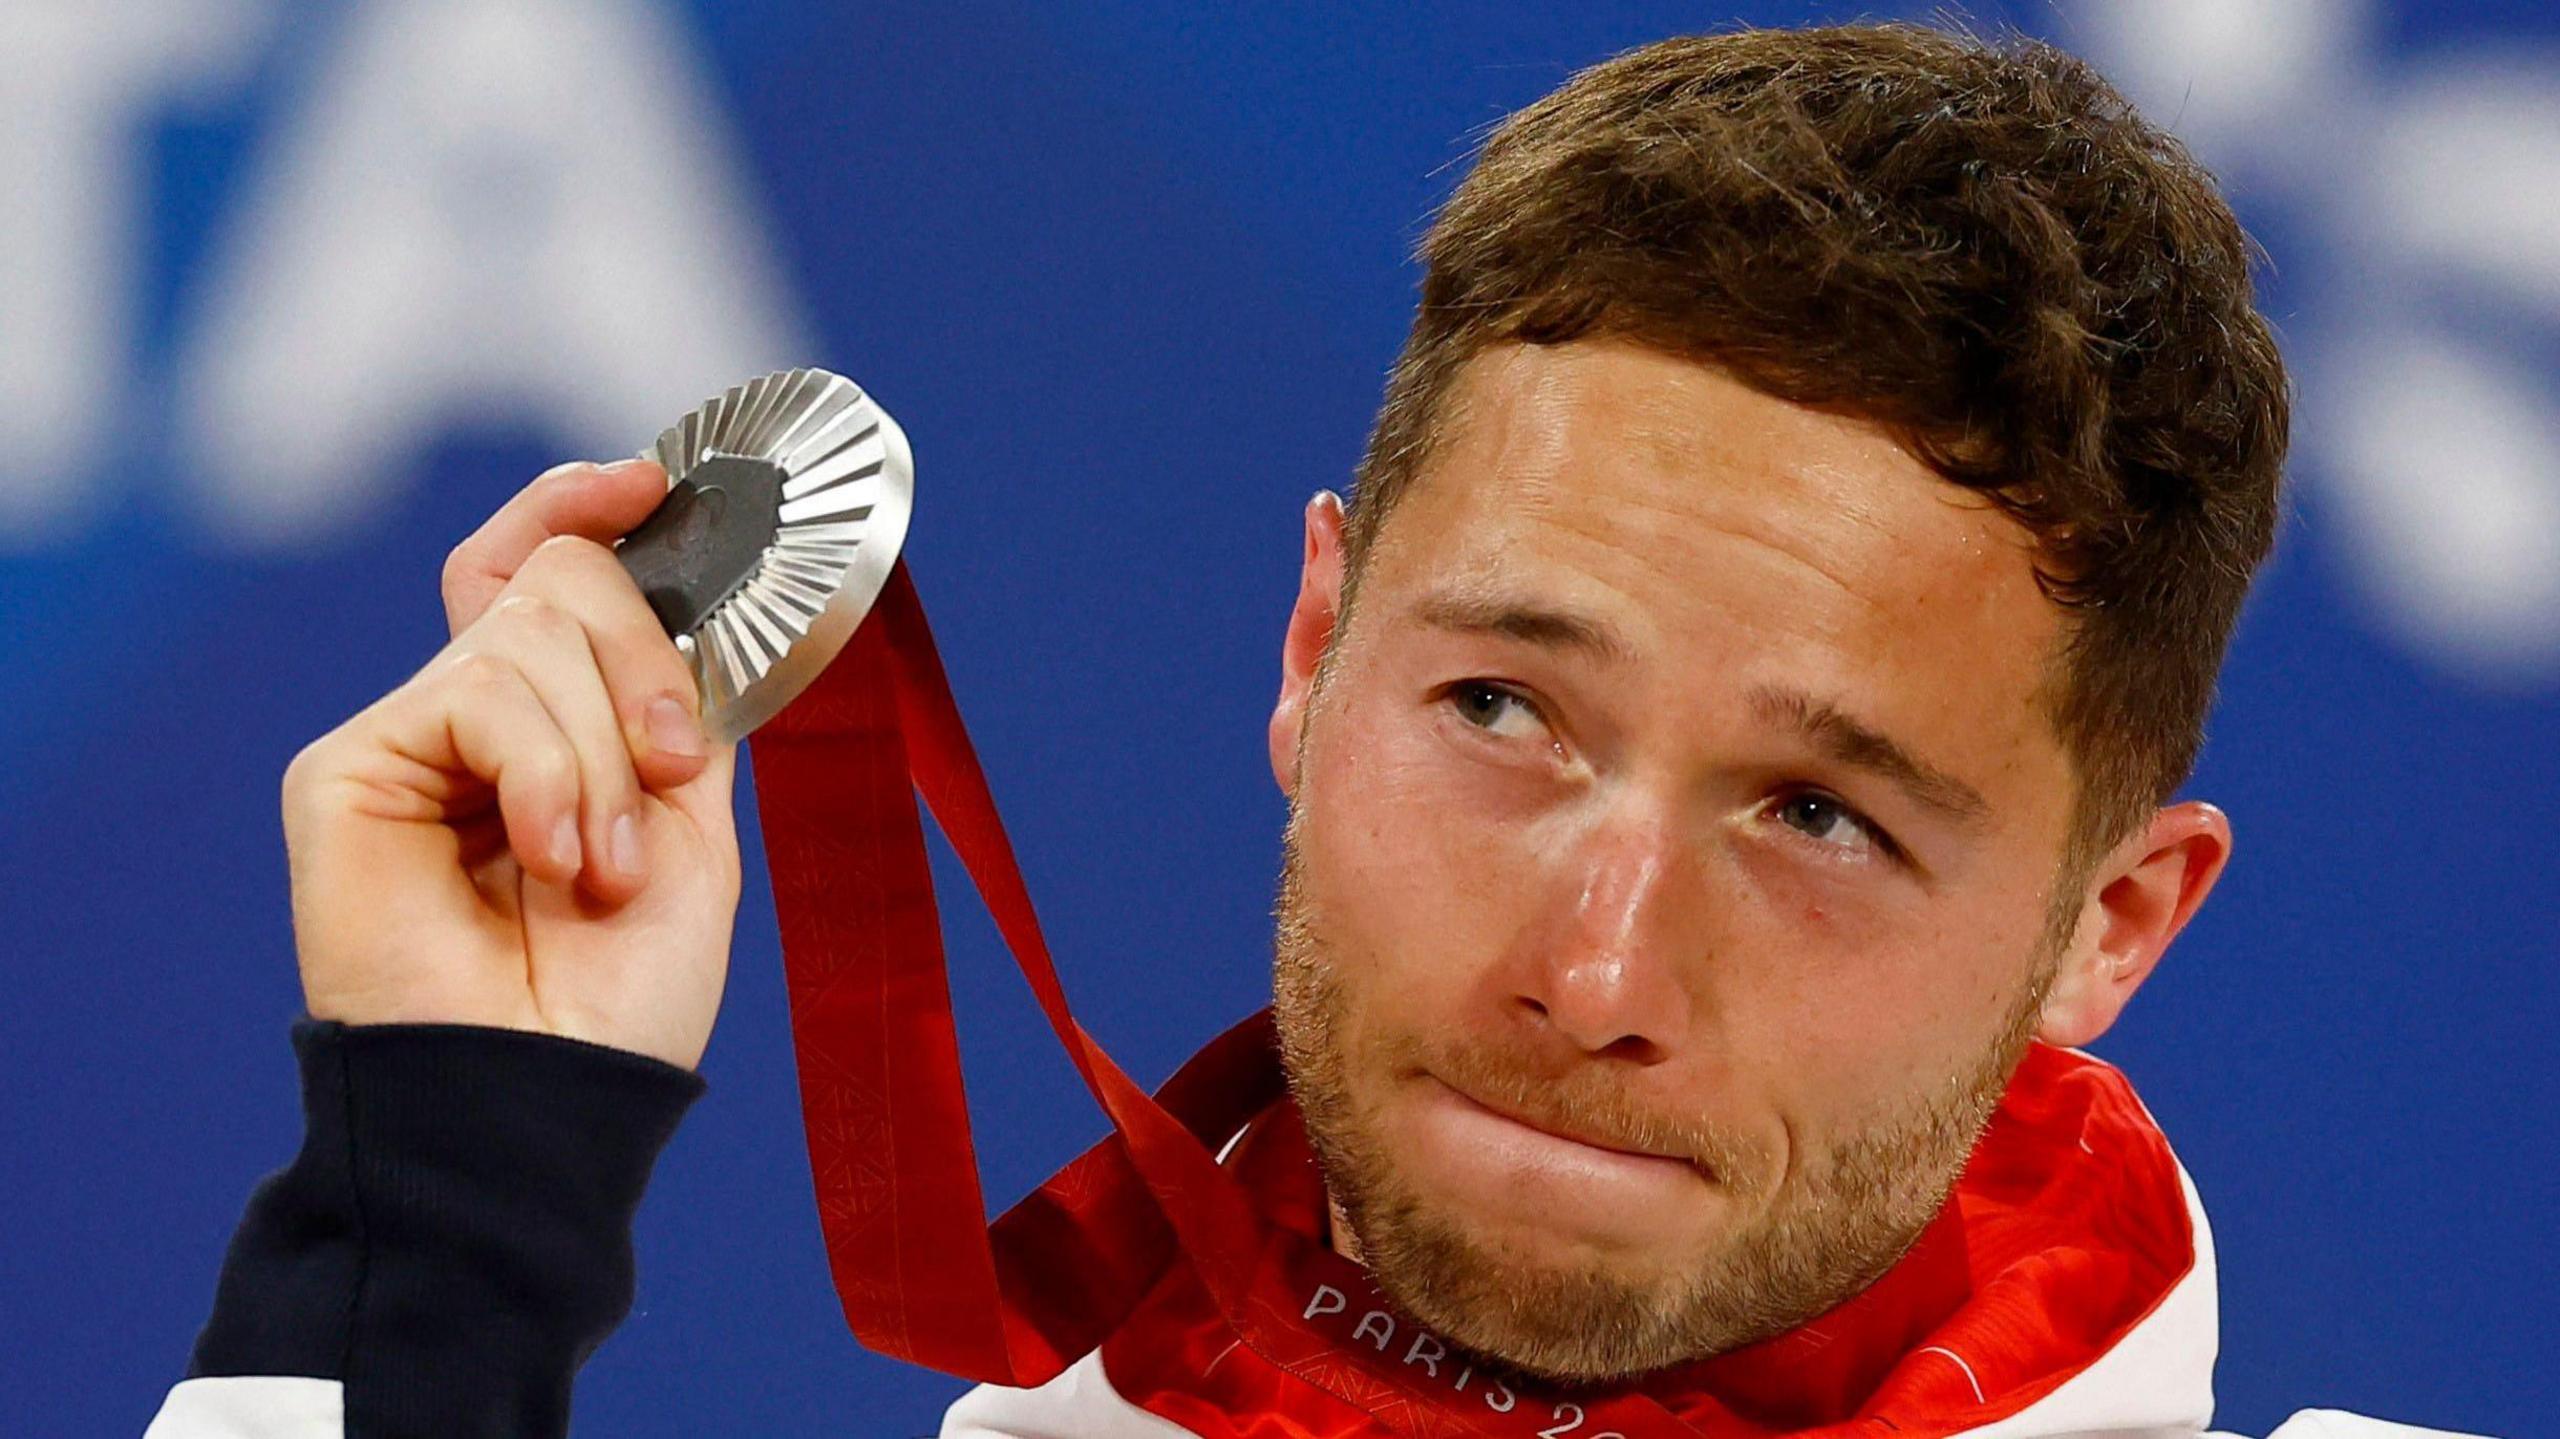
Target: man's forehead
1672	460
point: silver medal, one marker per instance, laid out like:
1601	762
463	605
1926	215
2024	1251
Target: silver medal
787	501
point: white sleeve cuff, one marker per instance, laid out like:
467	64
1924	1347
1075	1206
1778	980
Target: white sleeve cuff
255	1406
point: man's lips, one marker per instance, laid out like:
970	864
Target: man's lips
1566	1135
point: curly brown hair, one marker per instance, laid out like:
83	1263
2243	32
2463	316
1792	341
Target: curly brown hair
1976	243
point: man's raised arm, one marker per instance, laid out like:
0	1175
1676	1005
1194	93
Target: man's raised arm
514	881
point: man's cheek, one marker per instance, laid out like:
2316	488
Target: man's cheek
1390	843
1843	1055
1415	902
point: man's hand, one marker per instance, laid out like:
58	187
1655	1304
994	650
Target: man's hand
531	832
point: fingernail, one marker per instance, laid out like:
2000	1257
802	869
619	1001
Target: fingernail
626	844
671	730
564	842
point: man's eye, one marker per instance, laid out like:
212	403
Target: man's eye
1828	820
1496	709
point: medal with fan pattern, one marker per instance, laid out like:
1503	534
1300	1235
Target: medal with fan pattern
787	502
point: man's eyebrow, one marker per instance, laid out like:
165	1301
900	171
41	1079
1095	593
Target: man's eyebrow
1833	730
1852	742
1523	620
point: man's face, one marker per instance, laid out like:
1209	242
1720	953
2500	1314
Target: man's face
1673	826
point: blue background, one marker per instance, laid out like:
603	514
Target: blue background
1130	274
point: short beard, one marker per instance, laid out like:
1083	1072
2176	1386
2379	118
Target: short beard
1845	1218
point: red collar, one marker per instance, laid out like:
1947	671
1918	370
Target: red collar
2068	1227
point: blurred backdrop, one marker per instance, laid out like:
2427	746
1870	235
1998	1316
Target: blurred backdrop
292	294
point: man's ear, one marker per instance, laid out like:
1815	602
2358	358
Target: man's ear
1311	624
2138	900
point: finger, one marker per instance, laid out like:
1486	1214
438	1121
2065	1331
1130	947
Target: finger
548	645
473	713
595	502
650	686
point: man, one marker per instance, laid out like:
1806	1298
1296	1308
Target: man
1730	744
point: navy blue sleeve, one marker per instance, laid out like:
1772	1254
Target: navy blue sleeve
454	1238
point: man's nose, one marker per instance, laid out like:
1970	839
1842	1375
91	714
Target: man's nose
1604	971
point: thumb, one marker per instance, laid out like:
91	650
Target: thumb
706	800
